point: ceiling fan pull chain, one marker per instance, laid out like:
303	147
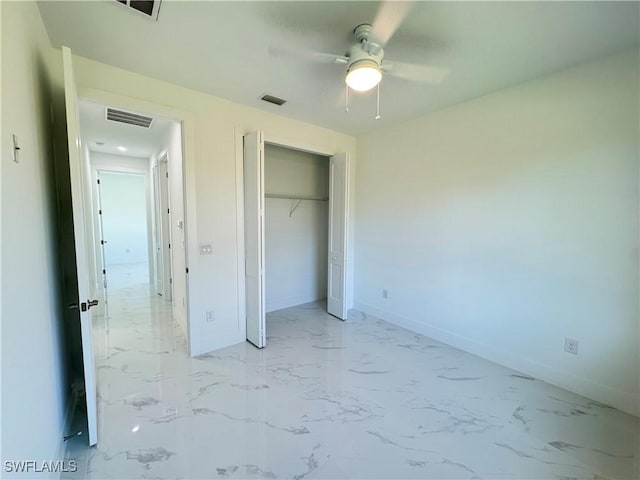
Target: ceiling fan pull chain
346	97
378	104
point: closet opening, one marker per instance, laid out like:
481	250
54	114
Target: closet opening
296	227
295	230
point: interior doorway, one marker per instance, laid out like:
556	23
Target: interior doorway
124	234
137	190
106	132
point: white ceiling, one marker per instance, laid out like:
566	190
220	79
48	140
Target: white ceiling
138	141
222	48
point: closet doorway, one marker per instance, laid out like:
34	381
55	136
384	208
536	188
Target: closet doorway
295	219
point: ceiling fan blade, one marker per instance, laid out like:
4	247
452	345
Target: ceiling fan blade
309	55
389	17
416	73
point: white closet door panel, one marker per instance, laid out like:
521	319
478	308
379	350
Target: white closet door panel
338	204
254	237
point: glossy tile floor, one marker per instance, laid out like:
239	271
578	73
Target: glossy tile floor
331	399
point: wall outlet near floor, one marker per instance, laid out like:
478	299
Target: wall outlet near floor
571	345
206	249
385	293
211	316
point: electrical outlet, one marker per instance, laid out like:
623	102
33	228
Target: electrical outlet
206	249
571	345
385	294
211	316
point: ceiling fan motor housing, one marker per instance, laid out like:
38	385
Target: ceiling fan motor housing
366	49
359	54
363	32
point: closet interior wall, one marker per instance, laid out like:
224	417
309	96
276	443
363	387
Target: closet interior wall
296	230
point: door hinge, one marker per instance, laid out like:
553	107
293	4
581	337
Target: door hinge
169	246
187	269
104	272
98	181
167	210
102	242
167	174
170	280
99	212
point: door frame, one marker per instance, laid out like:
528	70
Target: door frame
158	263
162	223
301	146
187	122
96	170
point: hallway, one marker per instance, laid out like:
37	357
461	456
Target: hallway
331	399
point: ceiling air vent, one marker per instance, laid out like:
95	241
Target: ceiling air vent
128	117
150	8
271	99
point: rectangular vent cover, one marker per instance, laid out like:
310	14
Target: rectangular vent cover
150	8
271	99
129	118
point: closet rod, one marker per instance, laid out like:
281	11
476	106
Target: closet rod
296	197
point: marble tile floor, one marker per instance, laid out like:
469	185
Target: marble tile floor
127	275
328	399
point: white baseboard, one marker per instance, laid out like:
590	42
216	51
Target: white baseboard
582	386
290	302
220	341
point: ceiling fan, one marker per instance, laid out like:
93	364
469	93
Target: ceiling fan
365	60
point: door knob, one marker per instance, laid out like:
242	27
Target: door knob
89	303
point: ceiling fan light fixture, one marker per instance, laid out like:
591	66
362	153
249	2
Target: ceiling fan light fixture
363	75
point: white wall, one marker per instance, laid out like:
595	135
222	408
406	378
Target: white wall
296	246
172	146
33	356
213	166
124	217
507	223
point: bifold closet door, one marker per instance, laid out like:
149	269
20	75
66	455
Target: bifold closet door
336	278
254	237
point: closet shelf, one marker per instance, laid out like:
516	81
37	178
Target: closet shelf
296	197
